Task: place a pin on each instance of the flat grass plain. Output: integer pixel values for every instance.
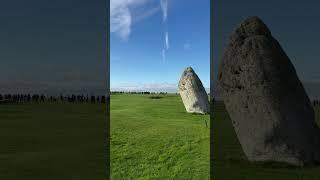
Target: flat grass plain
(52, 141)
(229, 161)
(154, 138)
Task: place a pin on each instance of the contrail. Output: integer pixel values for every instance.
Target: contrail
(167, 40)
(163, 54)
(164, 8)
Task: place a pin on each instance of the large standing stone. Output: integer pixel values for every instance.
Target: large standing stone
(192, 92)
(269, 108)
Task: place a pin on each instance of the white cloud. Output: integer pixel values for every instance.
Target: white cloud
(122, 16)
(145, 14)
(151, 87)
(166, 47)
(164, 8)
(167, 40)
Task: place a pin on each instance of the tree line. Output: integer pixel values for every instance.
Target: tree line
(41, 98)
(137, 92)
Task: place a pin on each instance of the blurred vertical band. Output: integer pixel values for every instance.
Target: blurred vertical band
(108, 89)
(211, 86)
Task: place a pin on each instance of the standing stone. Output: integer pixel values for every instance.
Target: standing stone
(192, 92)
(269, 108)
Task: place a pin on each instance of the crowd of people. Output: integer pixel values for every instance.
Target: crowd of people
(316, 102)
(23, 98)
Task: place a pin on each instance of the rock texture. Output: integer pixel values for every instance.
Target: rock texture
(192, 92)
(269, 108)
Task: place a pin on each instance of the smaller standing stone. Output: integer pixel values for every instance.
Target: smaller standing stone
(192, 92)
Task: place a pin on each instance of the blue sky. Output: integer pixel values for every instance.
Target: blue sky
(153, 41)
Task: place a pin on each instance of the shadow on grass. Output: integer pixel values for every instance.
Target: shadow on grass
(156, 97)
(199, 114)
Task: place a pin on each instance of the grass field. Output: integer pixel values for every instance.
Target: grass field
(230, 163)
(157, 139)
(52, 142)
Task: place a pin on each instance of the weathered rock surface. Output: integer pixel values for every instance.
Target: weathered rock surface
(269, 108)
(192, 92)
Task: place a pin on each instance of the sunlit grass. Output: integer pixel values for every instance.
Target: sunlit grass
(156, 138)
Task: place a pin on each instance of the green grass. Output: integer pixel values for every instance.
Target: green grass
(157, 139)
(230, 162)
(52, 141)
